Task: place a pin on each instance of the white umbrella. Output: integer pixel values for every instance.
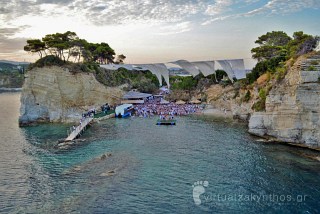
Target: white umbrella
(180, 102)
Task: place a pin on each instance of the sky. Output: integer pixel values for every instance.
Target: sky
(156, 31)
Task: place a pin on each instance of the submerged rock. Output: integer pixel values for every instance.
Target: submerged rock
(108, 173)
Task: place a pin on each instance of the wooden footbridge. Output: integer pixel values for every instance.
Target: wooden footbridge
(79, 129)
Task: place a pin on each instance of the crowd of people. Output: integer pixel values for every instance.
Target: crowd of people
(153, 107)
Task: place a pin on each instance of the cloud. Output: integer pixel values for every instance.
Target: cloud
(170, 12)
(122, 12)
(175, 28)
(114, 12)
(272, 7)
(284, 7)
(5, 32)
(218, 7)
(9, 44)
(12, 9)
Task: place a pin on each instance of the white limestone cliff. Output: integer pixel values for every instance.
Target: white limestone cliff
(53, 94)
(292, 108)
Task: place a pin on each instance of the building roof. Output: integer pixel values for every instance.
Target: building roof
(136, 95)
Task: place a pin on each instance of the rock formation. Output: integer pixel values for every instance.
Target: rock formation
(230, 98)
(292, 107)
(53, 94)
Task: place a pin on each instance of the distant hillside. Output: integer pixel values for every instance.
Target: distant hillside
(6, 66)
(11, 74)
(14, 62)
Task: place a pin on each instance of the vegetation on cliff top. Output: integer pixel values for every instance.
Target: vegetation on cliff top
(144, 81)
(69, 47)
(78, 55)
(274, 50)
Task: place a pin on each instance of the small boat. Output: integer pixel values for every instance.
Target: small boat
(166, 122)
(124, 110)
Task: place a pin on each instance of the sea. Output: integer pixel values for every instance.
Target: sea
(202, 165)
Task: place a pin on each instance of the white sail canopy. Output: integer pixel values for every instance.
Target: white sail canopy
(238, 68)
(109, 66)
(117, 66)
(227, 68)
(206, 67)
(126, 66)
(163, 70)
(187, 66)
(153, 69)
(158, 69)
(234, 68)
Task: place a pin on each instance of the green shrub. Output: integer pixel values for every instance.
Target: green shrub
(49, 60)
(184, 83)
(236, 94)
(262, 94)
(260, 105)
(220, 74)
(280, 73)
(204, 97)
(314, 62)
(247, 96)
(311, 68)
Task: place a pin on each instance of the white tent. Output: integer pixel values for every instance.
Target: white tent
(318, 47)
(234, 68)
(153, 69)
(163, 70)
(158, 69)
(238, 68)
(206, 67)
(187, 66)
(117, 66)
(227, 68)
(109, 66)
(180, 102)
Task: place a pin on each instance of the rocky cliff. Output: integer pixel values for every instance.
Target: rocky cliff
(292, 107)
(53, 94)
(231, 98)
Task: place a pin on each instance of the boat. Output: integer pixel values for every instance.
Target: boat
(166, 122)
(124, 110)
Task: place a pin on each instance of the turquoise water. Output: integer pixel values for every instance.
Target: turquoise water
(154, 168)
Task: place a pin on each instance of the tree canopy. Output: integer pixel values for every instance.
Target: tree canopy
(276, 47)
(277, 44)
(69, 47)
(35, 46)
(271, 44)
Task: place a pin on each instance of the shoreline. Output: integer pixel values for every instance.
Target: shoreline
(10, 90)
(211, 111)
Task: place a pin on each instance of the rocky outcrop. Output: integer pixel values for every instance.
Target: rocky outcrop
(53, 94)
(292, 108)
(230, 98)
